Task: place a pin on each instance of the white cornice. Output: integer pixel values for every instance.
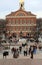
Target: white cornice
(18, 31)
(21, 25)
(19, 16)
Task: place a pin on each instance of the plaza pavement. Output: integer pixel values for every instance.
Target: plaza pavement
(20, 61)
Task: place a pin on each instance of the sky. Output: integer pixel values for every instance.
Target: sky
(8, 6)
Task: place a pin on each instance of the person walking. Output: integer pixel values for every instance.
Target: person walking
(25, 51)
(31, 52)
(20, 49)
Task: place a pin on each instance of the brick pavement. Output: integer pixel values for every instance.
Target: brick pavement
(21, 62)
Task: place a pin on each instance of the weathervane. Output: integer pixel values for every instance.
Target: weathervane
(21, 1)
(22, 4)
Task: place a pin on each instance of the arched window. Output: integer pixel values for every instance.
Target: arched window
(20, 14)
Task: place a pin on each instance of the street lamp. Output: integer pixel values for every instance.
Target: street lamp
(37, 35)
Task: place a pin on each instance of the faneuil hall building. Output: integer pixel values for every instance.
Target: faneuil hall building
(21, 22)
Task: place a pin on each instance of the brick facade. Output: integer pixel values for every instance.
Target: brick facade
(21, 21)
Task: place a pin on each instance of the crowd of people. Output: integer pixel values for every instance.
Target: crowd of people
(17, 51)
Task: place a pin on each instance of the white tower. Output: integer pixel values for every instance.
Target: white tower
(21, 4)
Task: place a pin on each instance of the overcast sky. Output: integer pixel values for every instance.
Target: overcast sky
(7, 6)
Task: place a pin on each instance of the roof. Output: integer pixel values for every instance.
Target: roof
(20, 12)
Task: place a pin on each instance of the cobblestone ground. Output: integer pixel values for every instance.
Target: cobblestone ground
(21, 62)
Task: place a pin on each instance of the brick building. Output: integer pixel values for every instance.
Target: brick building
(21, 21)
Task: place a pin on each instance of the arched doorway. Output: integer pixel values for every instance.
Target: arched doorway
(14, 35)
(21, 34)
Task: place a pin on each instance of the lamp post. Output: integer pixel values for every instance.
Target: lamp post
(37, 35)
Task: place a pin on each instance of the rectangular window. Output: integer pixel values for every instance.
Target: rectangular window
(20, 21)
(13, 21)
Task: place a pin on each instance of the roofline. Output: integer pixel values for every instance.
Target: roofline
(19, 16)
